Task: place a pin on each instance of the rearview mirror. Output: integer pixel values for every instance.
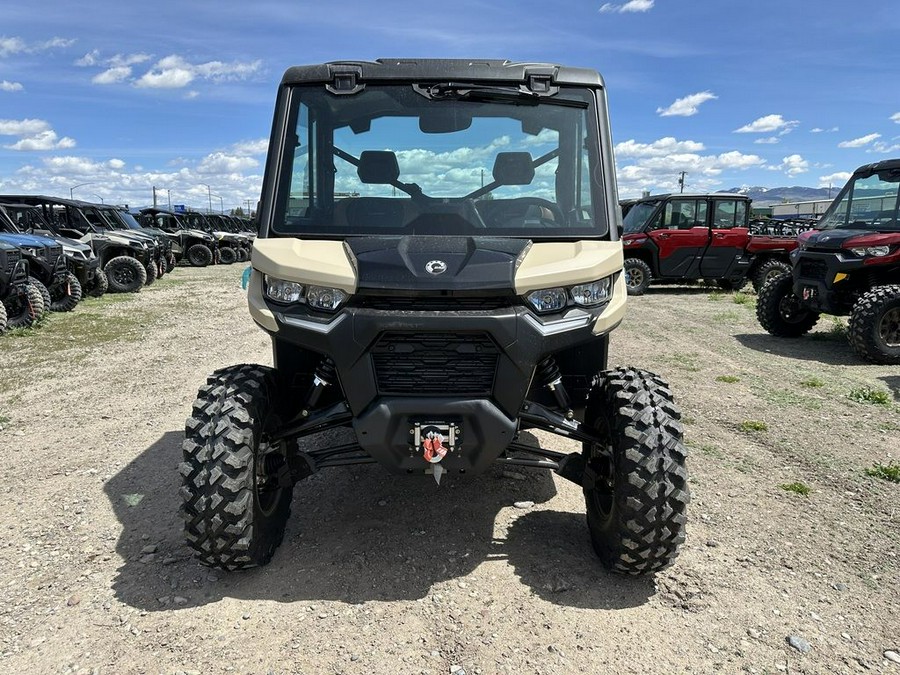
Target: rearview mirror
(444, 121)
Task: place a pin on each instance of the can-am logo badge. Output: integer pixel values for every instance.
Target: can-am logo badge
(435, 267)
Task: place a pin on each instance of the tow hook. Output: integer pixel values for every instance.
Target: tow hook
(434, 440)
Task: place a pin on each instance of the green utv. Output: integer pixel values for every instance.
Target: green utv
(439, 269)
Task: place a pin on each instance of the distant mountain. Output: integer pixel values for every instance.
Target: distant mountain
(763, 196)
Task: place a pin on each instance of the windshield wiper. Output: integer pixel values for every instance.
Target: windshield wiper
(481, 93)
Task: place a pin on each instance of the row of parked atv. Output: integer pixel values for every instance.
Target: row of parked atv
(54, 252)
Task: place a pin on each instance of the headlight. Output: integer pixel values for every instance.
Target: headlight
(138, 244)
(280, 290)
(321, 298)
(877, 251)
(548, 299)
(592, 294)
(329, 299)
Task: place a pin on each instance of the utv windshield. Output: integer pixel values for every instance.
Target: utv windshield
(444, 159)
(637, 217)
(866, 203)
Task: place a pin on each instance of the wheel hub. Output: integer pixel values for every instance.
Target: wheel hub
(889, 327)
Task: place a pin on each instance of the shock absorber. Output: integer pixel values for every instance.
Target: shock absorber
(549, 374)
(322, 378)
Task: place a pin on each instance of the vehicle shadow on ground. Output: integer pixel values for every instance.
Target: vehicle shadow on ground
(827, 349)
(683, 290)
(361, 534)
(893, 383)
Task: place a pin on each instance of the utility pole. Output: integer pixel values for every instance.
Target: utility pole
(681, 182)
(154, 196)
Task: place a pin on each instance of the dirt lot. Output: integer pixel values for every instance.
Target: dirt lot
(386, 575)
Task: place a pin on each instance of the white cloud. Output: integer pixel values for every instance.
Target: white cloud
(260, 146)
(116, 164)
(92, 58)
(112, 75)
(793, 165)
(220, 162)
(630, 6)
(835, 179)
(767, 124)
(16, 45)
(658, 165)
(896, 117)
(33, 135)
(6, 85)
(661, 147)
(129, 59)
(768, 140)
(884, 148)
(859, 142)
(687, 106)
(174, 72)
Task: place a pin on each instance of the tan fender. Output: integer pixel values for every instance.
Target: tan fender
(316, 262)
(553, 264)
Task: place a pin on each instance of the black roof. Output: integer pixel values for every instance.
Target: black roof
(875, 167)
(686, 195)
(467, 70)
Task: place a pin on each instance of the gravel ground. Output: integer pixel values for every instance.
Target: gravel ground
(379, 574)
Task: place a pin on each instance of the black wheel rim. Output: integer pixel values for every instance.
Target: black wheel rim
(269, 461)
(790, 309)
(603, 467)
(889, 327)
(123, 275)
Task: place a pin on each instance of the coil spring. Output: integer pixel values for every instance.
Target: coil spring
(548, 371)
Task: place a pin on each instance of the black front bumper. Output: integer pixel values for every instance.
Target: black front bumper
(814, 274)
(474, 369)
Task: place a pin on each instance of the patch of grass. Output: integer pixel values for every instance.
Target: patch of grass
(836, 331)
(688, 361)
(797, 488)
(743, 299)
(4, 420)
(869, 395)
(889, 471)
(748, 426)
(726, 317)
(789, 399)
(812, 383)
(687, 419)
(730, 379)
(711, 451)
(715, 296)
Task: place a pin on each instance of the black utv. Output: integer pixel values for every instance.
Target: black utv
(124, 258)
(20, 302)
(82, 264)
(195, 246)
(848, 265)
(118, 218)
(435, 315)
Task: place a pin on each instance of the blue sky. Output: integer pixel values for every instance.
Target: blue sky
(122, 97)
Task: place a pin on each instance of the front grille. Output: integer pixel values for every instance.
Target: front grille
(435, 364)
(12, 257)
(433, 303)
(813, 269)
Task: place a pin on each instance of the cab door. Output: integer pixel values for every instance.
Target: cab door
(730, 234)
(681, 235)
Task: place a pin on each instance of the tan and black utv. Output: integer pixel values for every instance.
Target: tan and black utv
(438, 266)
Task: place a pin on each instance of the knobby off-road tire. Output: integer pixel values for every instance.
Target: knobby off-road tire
(99, 284)
(637, 276)
(199, 255)
(125, 274)
(2, 317)
(161, 268)
(151, 270)
(769, 270)
(227, 255)
(636, 507)
(781, 312)
(874, 327)
(171, 262)
(242, 255)
(45, 294)
(234, 512)
(65, 294)
(25, 308)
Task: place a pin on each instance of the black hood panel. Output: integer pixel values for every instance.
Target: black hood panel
(386, 264)
(833, 239)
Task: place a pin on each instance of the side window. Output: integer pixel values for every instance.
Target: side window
(302, 194)
(682, 214)
(726, 214)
